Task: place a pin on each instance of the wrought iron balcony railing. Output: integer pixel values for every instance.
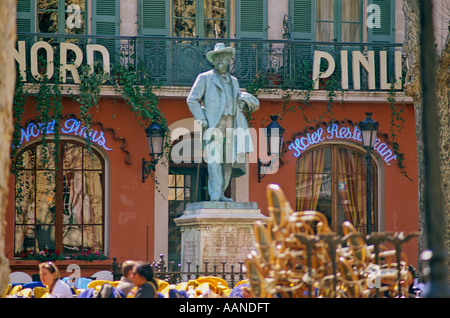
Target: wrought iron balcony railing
(177, 61)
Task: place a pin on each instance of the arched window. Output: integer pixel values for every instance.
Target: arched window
(60, 200)
(332, 179)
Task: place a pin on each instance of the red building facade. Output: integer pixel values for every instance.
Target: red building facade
(93, 198)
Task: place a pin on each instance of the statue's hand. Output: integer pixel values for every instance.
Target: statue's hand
(241, 105)
(250, 102)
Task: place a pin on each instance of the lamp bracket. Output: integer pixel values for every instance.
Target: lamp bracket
(261, 164)
(268, 164)
(148, 167)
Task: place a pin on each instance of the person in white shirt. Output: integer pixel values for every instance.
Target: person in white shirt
(50, 277)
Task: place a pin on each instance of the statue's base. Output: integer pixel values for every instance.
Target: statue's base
(217, 232)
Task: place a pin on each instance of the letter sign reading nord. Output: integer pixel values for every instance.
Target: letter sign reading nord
(20, 56)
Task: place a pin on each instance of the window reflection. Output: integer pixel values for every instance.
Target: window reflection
(214, 15)
(351, 20)
(91, 161)
(325, 20)
(48, 22)
(72, 197)
(332, 180)
(72, 239)
(184, 13)
(71, 191)
(72, 156)
(92, 237)
(45, 156)
(45, 237)
(45, 197)
(338, 20)
(93, 197)
(61, 16)
(204, 18)
(25, 197)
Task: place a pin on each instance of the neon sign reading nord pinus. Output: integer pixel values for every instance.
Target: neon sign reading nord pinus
(69, 126)
(333, 132)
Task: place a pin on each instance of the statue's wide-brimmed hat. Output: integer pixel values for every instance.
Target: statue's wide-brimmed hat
(220, 48)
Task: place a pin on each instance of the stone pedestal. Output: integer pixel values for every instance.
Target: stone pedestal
(216, 232)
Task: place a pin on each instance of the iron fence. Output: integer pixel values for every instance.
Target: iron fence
(173, 273)
(176, 61)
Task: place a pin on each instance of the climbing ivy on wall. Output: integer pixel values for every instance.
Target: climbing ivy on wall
(18, 112)
(89, 96)
(135, 86)
(302, 87)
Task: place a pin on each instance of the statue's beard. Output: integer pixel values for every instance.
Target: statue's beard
(222, 67)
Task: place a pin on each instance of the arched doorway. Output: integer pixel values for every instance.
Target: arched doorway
(331, 178)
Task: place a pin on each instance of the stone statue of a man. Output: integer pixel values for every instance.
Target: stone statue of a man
(216, 101)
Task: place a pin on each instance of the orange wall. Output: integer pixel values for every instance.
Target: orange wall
(131, 201)
(400, 195)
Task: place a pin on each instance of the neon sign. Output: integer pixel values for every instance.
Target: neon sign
(333, 132)
(70, 126)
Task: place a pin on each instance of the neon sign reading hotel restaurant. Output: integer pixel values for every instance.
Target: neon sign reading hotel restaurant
(336, 132)
(70, 126)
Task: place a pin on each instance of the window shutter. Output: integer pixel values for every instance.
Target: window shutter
(25, 16)
(251, 19)
(154, 17)
(106, 21)
(106, 17)
(251, 23)
(302, 16)
(384, 34)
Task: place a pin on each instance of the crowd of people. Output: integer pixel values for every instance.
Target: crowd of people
(137, 281)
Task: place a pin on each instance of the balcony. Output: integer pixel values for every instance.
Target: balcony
(171, 61)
